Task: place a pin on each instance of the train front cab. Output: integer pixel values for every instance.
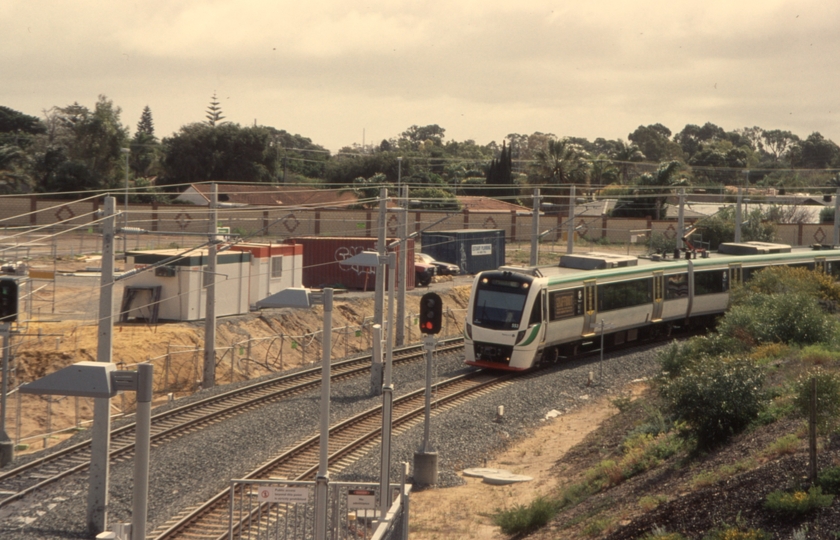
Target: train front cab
(504, 326)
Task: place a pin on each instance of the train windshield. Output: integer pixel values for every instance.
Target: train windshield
(499, 302)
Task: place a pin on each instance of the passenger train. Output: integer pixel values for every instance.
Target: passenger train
(519, 317)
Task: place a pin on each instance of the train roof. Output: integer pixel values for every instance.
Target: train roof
(593, 264)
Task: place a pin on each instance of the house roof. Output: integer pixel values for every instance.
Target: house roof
(488, 204)
(257, 195)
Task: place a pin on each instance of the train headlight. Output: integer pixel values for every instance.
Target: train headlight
(520, 336)
(469, 330)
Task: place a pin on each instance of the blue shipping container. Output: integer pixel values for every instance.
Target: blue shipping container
(473, 250)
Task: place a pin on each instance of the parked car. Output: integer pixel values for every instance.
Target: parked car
(442, 268)
(423, 272)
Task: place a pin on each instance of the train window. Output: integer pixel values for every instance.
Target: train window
(711, 282)
(499, 307)
(536, 311)
(565, 304)
(625, 294)
(676, 286)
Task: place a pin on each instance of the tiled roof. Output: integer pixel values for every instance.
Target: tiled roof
(256, 195)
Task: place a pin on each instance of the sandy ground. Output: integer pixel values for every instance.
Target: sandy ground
(464, 512)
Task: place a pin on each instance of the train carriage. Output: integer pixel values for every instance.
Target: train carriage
(519, 317)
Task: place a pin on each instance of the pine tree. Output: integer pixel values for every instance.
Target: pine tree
(214, 112)
(145, 125)
(499, 175)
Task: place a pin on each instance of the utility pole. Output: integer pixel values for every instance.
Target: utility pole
(738, 217)
(570, 241)
(379, 296)
(681, 220)
(209, 278)
(403, 265)
(100, 444)
(837, 218)
(535, 230)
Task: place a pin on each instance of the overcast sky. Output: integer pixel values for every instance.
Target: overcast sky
(337, 71)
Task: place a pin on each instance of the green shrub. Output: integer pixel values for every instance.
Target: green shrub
(798, 502)
(679, 357)
(788, 318)
(737, 533)
(828, 397)
(523, 519)
(819, 355)
(829, 480)
(716, 398)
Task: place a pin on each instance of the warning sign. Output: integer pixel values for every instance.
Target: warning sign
(283, 494)
(361, 499)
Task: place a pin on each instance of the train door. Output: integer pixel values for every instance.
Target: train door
(735, 274)
(658, 295)
(821, 265)
(590, 299)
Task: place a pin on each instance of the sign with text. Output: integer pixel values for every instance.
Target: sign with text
(283, 494)
(361, 499)
(482, 249)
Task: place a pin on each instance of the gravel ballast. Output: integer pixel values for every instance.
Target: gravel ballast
(195, 467)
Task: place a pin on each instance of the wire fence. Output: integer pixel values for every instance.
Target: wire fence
(178, 373)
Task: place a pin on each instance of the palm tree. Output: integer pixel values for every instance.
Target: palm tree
(12, 179)
(648, 194)
(560, 163)
(624, 155)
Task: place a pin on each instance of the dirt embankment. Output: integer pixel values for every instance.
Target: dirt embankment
(247, 346)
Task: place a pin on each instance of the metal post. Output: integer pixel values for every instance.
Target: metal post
(379, 296)
(387, 399)
(738, 217)
(812, 433)
(209, 377)
(376, 364)
(425, 459)
(322, 480)
(142, 444)
(535, 230)
(97, 501)
(681, 220)
(403, 268)
(7, 448)
(126, 152)
(837, 218)
(570, 241)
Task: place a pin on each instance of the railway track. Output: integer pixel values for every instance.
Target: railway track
(19, 482)
(349, 440)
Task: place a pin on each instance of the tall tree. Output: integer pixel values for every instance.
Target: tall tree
(648, 197)
(145, 148)
(777, 143)
(624, 155)
(214, 112)
(499, 178)
(227, 152)
(817, 152)
(82, 148)
(655, 143)
(559, 165)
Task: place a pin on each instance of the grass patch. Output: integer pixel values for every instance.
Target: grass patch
(524, 519)
(782, 446)
(651, 502)
(798, 502)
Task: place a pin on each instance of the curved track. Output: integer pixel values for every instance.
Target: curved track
(349, 440)
(171, 424)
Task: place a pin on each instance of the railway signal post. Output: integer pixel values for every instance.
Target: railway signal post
(425, 460)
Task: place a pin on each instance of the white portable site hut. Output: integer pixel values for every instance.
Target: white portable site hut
(176, 290)
(274, 267)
